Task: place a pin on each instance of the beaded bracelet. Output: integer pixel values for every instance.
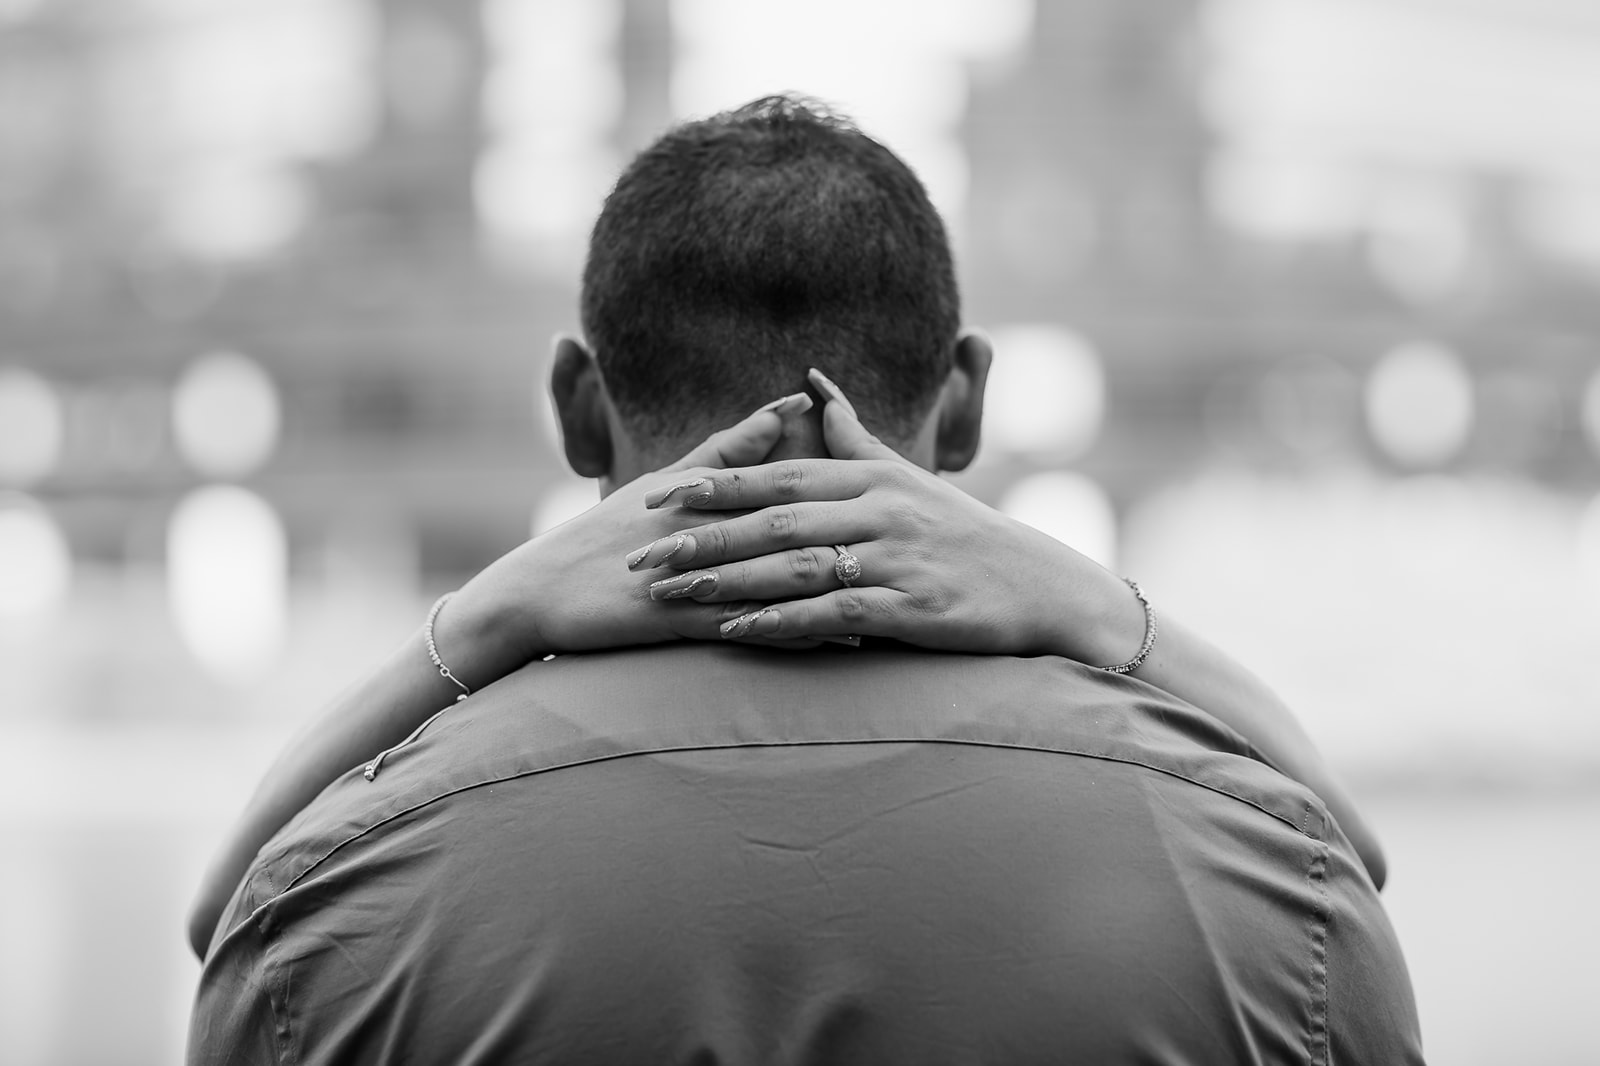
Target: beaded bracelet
(433, 651)
(1149, 634)
(370, 771)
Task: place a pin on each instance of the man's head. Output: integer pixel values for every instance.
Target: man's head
(740, 250)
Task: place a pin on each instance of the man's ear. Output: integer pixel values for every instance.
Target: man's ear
(961, 402)
(578, 392)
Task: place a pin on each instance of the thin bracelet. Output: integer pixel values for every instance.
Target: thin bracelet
(370, 771)
(433, 651)
(1149, 634)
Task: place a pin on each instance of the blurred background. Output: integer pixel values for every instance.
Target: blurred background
(1297, 306)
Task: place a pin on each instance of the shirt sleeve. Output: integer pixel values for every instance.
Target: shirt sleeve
(234, 1019)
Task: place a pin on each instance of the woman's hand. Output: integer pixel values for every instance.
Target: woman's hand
(939, 569)
(566, 591)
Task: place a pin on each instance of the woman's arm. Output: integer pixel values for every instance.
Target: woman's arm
(563, 591)
(942, 570)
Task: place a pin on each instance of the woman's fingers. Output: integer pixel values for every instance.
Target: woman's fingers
(846, 437)
(696, 621)
(809, 571)
(866, 612)
(786, 482)
(750, 536)
(747, 442)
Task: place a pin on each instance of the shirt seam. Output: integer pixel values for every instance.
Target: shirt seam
(1317, 1042)
(666, 749)
(276, 979)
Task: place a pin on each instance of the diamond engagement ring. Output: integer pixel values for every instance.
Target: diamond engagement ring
(847, 568)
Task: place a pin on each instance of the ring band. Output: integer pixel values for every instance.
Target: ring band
(847, 568)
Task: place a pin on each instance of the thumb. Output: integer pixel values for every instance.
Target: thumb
(746, 443)
(846, 437)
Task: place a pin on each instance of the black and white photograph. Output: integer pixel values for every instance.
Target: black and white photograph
(752, 532)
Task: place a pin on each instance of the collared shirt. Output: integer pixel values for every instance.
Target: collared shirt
(721, 854)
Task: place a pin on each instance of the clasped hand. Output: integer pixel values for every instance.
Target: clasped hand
(752, 551)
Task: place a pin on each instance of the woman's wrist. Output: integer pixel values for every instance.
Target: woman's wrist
(1095, 617)
(488, 629)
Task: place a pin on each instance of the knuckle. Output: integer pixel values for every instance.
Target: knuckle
(898, 476)
(788, 481)
(735, 485)
(854, 606)
(930, 601)
(805, 564)
(711, 542)
(905, 513)
(780, 522)
(733, 579)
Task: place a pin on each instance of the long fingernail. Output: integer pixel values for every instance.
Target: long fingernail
(679, 541)
(637, 559)
(746, 623)
(796, 404)
(656, 497)
(825, 385)
(678, 586)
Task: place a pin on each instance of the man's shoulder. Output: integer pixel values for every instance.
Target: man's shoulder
(578, 710)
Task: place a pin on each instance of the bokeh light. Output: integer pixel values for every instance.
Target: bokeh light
(242, 93)
(1070, 507)
(35, 561)
(549, 98)
(1047, 392)
(227, 580)
(30, 427)
(225, 415)
(1420, 404)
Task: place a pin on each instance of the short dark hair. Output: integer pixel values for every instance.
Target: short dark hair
(738, 250)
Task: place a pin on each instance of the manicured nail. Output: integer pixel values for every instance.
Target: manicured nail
(656, 497)
(678, 586)
(849, 642)
(834, 394)
(678, 542)
(797, 404)
(746, 624)
(638, 558)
